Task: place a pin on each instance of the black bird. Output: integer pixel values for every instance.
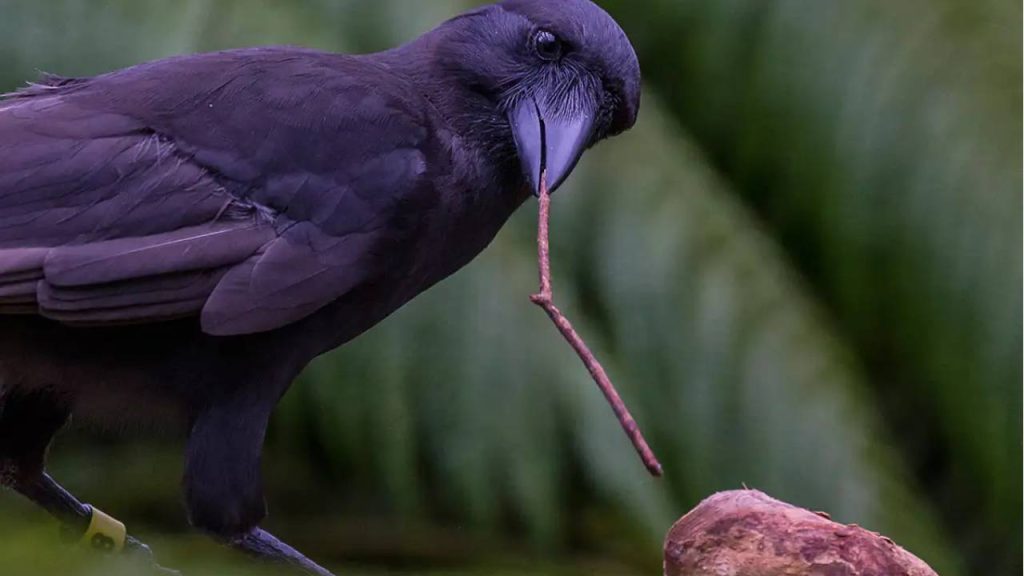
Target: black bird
(179, 239)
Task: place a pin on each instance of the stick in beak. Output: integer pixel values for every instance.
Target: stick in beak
(545, 300)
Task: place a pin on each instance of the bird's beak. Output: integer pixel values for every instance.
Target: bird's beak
(549, 139)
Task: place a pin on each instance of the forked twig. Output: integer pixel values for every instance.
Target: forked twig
(545, 300)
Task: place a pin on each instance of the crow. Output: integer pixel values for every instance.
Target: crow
(180, 238)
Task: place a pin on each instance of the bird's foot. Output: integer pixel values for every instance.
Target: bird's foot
(141, 553)
(262, 545)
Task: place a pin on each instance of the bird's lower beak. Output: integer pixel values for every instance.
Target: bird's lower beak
(549, 140)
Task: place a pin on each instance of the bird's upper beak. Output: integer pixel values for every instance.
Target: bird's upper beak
(549, 139)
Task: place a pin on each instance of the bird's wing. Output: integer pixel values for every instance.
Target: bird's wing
(243, 188)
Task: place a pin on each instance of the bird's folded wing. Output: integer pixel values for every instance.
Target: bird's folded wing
(143, 279)
(128, 280)
(242, 271)
(103, 224)
(240, 277)
(121, 203)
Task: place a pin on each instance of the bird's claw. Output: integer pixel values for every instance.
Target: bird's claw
(136, 549)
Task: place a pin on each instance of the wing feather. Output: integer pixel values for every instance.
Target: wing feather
(132, 298)
(293, 277)
(128, 315)
(195, 248)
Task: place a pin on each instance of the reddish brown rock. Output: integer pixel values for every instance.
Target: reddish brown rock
(748, 533)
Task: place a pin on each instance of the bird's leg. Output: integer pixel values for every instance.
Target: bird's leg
(76, 517)
(223, 485)
(27, 425)
(261, 544)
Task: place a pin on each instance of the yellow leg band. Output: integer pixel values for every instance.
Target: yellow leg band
(105, 534)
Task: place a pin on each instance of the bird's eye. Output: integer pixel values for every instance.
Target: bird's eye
(547, 45)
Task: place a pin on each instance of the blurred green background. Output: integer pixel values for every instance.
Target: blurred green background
(802, 268)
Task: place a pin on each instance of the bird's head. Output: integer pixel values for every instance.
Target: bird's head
(562, 73)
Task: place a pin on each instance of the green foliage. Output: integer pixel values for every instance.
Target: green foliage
(802, 269)
(880, 142)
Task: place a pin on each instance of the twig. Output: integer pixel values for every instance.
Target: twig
(545, 300)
